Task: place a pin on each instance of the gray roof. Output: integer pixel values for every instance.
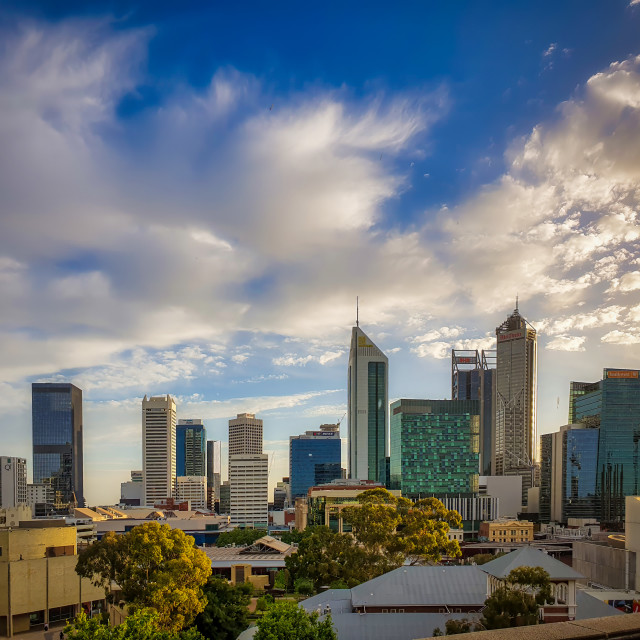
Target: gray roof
(530, 557)
(590, 607)
(338, 599)
(392, 626)
(452, 586)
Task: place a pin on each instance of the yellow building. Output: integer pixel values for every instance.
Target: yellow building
(38, 581)
(507, 531)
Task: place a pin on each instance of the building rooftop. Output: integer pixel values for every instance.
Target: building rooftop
(530, 557)
(424, 585)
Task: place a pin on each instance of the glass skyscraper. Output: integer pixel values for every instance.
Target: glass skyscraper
(314, 459)
(368, 385)
(57, 441)
(191, 438)
(435, 447)
(579, 473)
(472, 378)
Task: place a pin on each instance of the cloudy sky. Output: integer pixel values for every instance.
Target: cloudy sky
(192, 199)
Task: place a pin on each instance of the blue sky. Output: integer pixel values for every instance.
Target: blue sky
(193, 198)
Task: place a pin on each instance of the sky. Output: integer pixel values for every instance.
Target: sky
(193, 195)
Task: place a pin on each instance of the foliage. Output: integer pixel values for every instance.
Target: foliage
(155, 567)
(326, 557)
(303, 586)
(483, 558)
(295, 536)
(281, 579)
(288, 621)
(454, 627)
(240, 537)
(142, 625)
(517, 602)
(401, 529)
(226, 614)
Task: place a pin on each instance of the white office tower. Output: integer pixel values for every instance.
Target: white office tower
(249, 479)
(193, 489)
(245, 435)
(214, 473)
(158, 448)
(368, 408)
(13, 482)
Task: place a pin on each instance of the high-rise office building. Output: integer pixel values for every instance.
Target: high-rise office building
(225, 497)
(368, 403)
(13, 482)
(245, 434)
(158, 448)
(193, 489)
(612, 405)
(191, 437)
(57, 441)
(314, 458)
(248, 471)
(568, 470)
(472, 378)
(435, 447)
(214, 473)
(249, 493)
(516, 386)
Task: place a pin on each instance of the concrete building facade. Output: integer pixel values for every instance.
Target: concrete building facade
(194, 489)
(13, 481)
(249, 492)
(158, 448)
(514, 451)
(367, 409)
(214, 473)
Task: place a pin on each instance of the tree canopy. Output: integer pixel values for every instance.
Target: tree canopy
(155, 567)
(288, 621)
(398, 527)
(517, 602)
(240, 537)
(226, 614)
(142, 625)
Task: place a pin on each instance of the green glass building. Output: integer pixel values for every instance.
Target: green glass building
(435, 447)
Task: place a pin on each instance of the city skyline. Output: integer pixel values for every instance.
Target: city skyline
(194, 215)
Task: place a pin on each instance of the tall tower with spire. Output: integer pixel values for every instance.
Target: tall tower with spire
(368, 408)
(516, 386)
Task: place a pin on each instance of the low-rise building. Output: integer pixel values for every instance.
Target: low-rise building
(507, 531)
(38, 581)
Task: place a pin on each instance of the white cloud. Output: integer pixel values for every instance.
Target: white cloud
(621, 337)
(293, 360)
(567, 343)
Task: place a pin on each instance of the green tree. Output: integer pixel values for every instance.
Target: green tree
(326, 557)
(226, 614)
(155, 567)
(240, 537)
(142, 625)
(454, 627)
(288, 621)
(517, 602)
(303, 586)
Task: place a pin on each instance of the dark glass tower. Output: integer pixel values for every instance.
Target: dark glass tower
(191, 438)
(57, 441)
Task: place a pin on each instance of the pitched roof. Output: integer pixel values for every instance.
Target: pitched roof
(590, 607)
(530, 557)
(465, 585)
(338, 599)
(267, 544)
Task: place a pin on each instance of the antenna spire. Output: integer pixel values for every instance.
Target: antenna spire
(357, 312)
(516, 301)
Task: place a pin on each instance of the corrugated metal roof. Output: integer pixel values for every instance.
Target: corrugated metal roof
(338, 599)
(450, 586)
(590, 607)
(530, 557)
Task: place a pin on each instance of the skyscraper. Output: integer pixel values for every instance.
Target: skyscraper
(472, 378)
(368, 403)
(516, 385)
(158, 448)
(214, 473)
(191, 437)
(57, 441)
(248, 472)
(314, 458)
(434, 447)
(13, 482)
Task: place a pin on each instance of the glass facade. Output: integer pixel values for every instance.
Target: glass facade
(579, 473)
(435, 447)
(191, 439)
(546, 478)
(57, 441)
(377, 372)
(313, 461)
